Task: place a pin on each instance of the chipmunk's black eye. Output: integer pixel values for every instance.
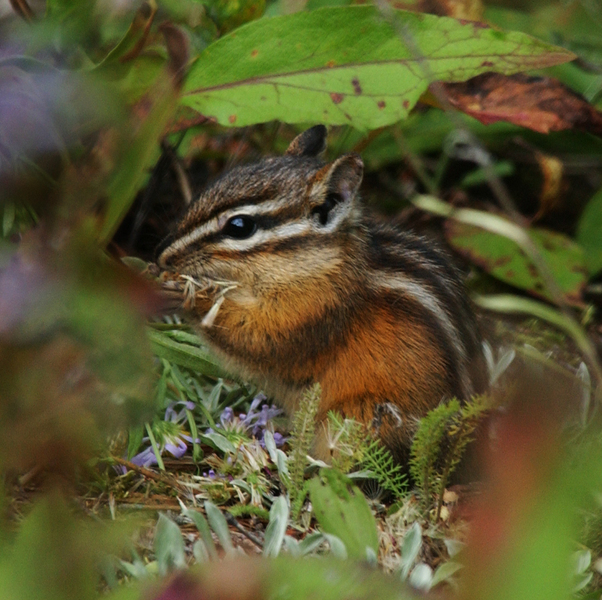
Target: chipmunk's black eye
(240, 227)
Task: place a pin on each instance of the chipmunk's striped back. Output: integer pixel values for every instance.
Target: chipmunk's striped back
(303, 286)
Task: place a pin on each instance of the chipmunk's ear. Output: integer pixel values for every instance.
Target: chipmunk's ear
(334, 190)
(309, 143)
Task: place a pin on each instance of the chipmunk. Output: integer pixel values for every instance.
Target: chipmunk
(291, 281)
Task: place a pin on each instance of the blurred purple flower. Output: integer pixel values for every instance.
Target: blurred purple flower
(226, 416)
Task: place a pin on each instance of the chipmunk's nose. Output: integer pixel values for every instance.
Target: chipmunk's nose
(164, 259)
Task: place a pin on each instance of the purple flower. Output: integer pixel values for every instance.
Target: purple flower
(226, 416)
(171, 437)
(181, 416)
(146, 458)
(254, 422)
(177, 447)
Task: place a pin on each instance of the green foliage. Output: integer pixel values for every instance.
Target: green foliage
(206, 540)
(274, 533)
(588, 233)
(417, 573)
(384, 469)
(330, 579)
(368, 81)
(184, 349)
(302, 436)
(169, 546)
(428, 444)
(501, 257)
(577, 29)
(439, 445)
(54, 556)
(342, 510)
(218, 523)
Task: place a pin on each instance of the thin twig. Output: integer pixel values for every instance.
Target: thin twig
(231, 519)
(149, 474)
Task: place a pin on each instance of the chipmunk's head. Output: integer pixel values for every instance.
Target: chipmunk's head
(272, 223)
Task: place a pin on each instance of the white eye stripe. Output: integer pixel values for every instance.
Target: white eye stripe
(263, 236)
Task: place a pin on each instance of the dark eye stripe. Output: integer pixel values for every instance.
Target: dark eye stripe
(226, 205)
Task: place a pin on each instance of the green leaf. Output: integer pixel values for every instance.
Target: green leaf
(325, 578)
(169, 545)
(140, 152)
(445, 571)
(203, 527)
(184, 355)
(274, 533)
(589, 233)
(219, 441)
(348, 65)
(575, 29)
(135, 435)
(412, 542)
(502, 258)
(220, 526)
(421, 577)
(8, 218)
(310, 543)
(337, 546)
(342, 510)
(133, 41)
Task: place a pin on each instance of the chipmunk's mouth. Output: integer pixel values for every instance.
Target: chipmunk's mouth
(187, 292)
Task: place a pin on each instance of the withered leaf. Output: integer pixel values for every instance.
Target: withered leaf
(542, 104)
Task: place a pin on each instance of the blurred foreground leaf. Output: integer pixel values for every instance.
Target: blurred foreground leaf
(285, 578)
(169, 546)
(521, 542)
(55, 556)
(76, 363)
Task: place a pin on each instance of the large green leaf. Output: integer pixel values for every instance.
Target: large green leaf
(589, 233)
(342, 510)
(502, 258)
(169, 545)
(348, 65)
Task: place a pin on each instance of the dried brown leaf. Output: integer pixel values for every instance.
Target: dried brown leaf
(542, 104)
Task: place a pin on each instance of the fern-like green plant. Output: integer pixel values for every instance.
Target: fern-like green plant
(302, 437)
(439, 444)
(426, 449)
(386, 471)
